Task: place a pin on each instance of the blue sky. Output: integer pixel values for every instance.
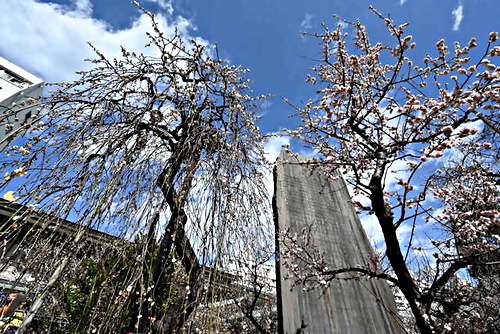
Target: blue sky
(48, 37)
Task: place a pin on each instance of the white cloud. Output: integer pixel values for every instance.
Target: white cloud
(306, 22)
(373, 231)
(401, 2)
(458, 13)
(272, 148)
(398, 170)
(51, 40)
(309, 152)
(369, 222)
(404, 233)
(84, 7)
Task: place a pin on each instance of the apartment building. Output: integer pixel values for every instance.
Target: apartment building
(16, 87)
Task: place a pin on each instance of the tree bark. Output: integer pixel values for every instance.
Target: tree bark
(174, 238)
(393, 249)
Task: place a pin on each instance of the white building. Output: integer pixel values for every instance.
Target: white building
(16, 86)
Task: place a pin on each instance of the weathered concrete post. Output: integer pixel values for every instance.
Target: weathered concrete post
(303, 195)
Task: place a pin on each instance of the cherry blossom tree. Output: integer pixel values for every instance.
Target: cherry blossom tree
(411, 141)
(158, 150)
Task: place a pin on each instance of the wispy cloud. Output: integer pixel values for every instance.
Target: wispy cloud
(343, 25)
(306, 22)
(401, 2)
(265, 105)
(163, 4)
(84, 7)
(458, 13)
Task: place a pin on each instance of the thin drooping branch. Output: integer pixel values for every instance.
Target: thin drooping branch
(160, 151)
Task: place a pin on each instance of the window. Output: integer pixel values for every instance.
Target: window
(12, 78)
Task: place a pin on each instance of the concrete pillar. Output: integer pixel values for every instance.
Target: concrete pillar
(304, 195)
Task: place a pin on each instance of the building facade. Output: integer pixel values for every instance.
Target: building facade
(16, 87)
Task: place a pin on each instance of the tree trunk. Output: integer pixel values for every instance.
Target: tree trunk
(394, 254)
(175, 238)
